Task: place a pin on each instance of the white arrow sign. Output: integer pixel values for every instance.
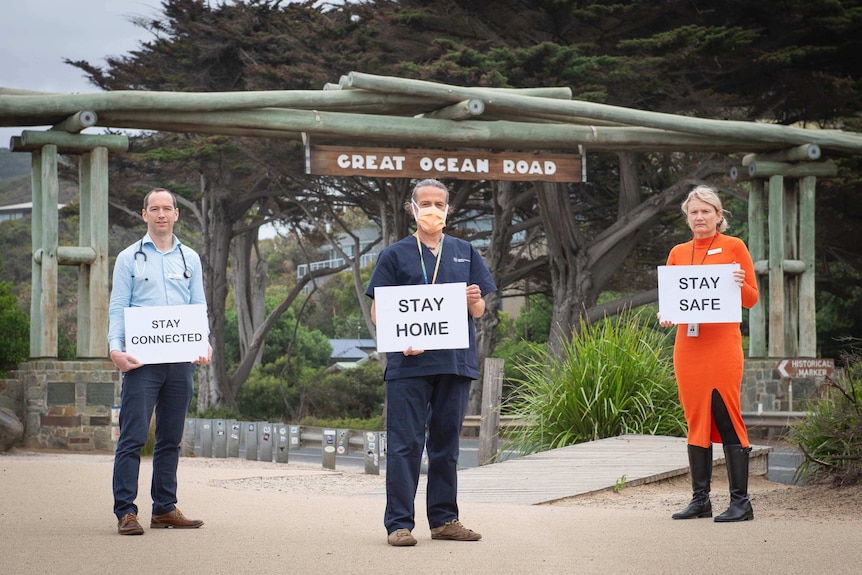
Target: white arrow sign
(806, 367)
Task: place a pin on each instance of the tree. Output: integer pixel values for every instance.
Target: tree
(14, 330)
(199, 48)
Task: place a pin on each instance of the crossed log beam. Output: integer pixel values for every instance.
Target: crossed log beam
(370, 108)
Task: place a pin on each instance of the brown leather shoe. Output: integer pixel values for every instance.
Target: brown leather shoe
(129, 525)
(175, 519)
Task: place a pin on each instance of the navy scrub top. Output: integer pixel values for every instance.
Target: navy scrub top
(399, 265)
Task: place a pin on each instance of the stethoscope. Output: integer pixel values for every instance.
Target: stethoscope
(138, 272)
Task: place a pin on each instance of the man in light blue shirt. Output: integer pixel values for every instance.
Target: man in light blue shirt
(155, 271)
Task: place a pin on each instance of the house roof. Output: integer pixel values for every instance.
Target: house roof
(351, 349)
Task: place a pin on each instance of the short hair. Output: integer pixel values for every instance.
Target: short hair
(153, 191)
(709, 196)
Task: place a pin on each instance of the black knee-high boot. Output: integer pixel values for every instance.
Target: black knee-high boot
(740, 509)
(700, 468)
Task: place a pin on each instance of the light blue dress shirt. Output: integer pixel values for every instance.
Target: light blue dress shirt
(145, 276)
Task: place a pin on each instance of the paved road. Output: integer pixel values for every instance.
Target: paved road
(469, 455)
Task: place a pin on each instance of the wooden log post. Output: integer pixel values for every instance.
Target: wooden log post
(791, 281)
(792, 325)
(458, 111)
(803, 153)
(93, 296)
(36, 241)
(77, 122)
(46, 338)
(807, 307)
(763, 169)
(91, 256)
(757, 246)
(489, 425)
(71, 143)
(776, 266)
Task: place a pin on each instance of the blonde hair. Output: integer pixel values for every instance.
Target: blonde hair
(709, 196)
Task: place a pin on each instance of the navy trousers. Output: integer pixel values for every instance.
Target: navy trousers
(439, 403)
(168, 389)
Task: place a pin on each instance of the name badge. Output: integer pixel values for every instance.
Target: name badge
(713, 251)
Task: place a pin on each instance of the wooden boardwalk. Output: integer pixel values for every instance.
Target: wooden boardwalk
(586, 468)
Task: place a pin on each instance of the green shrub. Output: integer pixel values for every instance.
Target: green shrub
(14, 331)
(268, 397)
(371, 424)
(612, 377)
(218, 413)
(355, 393)
(830, 435)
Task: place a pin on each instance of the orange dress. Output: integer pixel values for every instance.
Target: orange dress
(712, 360)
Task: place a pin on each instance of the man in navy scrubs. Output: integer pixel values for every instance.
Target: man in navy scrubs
(428, 387)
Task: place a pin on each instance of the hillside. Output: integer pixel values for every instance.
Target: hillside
(15, 180)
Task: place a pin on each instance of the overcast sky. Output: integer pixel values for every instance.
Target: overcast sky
(37, 35)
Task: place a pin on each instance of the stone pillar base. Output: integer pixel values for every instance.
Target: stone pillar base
(67, 404)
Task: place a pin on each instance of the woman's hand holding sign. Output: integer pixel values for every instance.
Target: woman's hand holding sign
(739, 276)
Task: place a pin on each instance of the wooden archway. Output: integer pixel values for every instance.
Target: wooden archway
(782, 165)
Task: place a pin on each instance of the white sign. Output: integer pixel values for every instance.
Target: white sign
(699, 294)
(167, 334)
(422, 317)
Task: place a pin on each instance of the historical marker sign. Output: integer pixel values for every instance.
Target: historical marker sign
(806, 367)
(452, 164)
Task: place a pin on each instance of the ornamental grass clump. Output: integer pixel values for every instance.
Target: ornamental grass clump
(612, 377)
(830, 435)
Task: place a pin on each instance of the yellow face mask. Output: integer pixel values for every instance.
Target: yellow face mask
(431, 218)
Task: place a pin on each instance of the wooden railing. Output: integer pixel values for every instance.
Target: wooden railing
(473, 421)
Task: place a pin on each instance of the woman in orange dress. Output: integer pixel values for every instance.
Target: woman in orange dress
(708, 363)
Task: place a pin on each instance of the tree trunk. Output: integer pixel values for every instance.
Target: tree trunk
(214, 385)
(249, 288)
(580, 266)
(571, 281)
(496, 257)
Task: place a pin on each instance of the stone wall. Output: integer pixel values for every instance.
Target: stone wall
(68, 404)
(12, 394)
(763, 388)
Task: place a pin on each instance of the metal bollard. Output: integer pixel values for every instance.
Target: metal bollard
(264, 442)
(281, 443)
(205, 433)
(188, 445)
(342, 442)
(233, 438)
(328, 449)
(250, 436)
(372, 453)
(295, 437)
(219, 438)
